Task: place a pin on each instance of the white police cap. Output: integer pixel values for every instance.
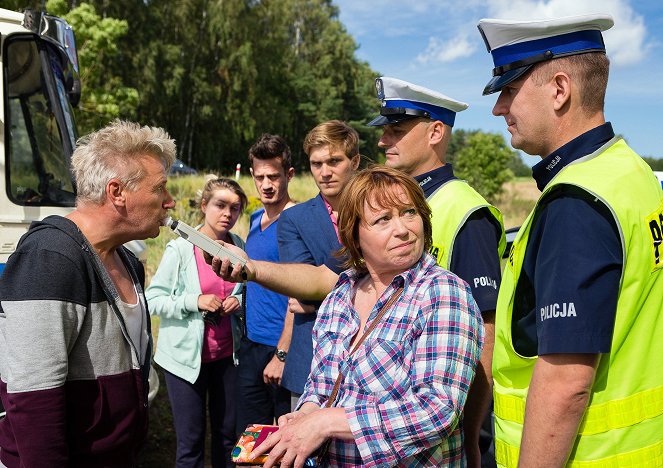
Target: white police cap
(402, 100)
(517, 45)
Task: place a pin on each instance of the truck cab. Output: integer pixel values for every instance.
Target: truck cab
(40, 85)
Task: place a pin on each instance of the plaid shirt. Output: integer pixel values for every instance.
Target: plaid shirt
(405, 388)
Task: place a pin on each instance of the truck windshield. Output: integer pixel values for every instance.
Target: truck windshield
(40, 131)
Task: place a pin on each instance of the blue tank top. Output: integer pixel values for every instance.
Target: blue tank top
(265, 310)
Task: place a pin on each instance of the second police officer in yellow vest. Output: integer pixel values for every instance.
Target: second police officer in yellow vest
(468, 233)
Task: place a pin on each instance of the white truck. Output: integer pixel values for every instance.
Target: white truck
(39, 86)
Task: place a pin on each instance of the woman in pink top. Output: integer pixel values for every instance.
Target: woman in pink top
(199, 329)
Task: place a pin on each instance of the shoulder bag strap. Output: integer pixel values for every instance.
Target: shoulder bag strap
(394, 297)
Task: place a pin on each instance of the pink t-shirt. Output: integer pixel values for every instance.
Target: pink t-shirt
(217, 339)
(332, 216)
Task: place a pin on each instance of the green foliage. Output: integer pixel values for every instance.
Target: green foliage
(656, 164)
(217, 74)
(518, 167)
(105, 95)
(253, 205)
(482, 159)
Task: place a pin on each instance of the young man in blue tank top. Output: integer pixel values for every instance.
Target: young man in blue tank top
(260, 397)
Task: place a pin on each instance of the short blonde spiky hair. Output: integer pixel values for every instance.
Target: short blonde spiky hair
(114, 152)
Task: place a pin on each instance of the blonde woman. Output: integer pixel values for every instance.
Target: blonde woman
(199, 331)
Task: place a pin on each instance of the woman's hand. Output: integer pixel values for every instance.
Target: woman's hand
(230, 305)
(306, 408)
(209, 303)
(299, 435)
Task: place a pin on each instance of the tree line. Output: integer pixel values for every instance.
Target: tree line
(218, 73)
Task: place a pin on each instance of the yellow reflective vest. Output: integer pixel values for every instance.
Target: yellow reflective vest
(452, 204)
(623, 423)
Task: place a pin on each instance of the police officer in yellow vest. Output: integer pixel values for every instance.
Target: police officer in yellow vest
(468, 234)
(578, 358)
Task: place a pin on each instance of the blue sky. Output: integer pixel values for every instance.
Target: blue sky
(435, 43)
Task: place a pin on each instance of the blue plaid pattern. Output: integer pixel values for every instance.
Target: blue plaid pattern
(405, 388)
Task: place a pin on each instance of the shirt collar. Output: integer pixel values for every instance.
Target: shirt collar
(585, 144)
(332, 216)
(432, 180)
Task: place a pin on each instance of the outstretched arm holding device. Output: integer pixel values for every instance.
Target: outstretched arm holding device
(302, 281)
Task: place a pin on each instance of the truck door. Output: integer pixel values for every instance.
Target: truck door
(39, 134)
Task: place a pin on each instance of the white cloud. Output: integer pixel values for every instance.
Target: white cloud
(625, 41)
(442, 52)
(430, 22)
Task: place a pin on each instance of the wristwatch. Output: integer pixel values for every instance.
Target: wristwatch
(280, 355)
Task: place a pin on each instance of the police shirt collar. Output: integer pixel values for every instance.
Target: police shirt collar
(432, 180)
(546, 169)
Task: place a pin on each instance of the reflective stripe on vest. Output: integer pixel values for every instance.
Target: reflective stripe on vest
(650, 456)
(623, 424)
(452, 204)
(600, 418)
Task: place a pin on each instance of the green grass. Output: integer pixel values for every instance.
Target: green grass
(517, 200)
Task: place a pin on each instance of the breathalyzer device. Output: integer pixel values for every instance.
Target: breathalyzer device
(200, 240)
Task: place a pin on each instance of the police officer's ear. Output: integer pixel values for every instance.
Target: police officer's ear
(562, 87)
(436, 132)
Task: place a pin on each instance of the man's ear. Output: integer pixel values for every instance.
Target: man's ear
(290, 174)
(562, 88)
(436, 132)
(354, 161)
(115, 192)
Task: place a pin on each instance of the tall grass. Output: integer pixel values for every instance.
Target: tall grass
(517, 200)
